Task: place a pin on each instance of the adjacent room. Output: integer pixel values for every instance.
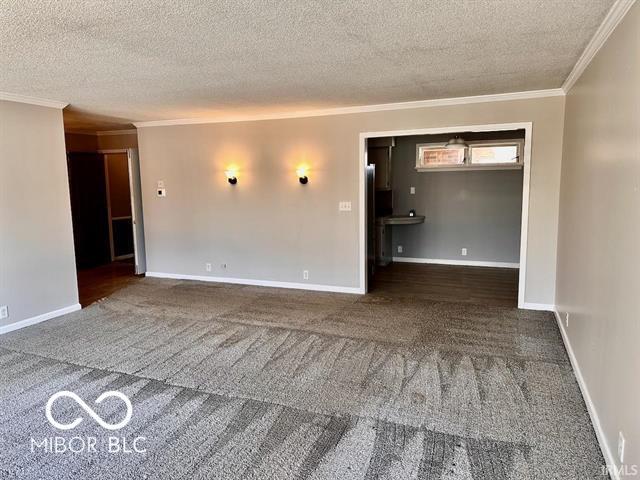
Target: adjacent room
(446, 214)
(106, 209)
(320, 240)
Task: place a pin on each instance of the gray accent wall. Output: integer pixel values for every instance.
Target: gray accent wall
(477, 210)
(37, 264)
(269, 227)
(598, 281)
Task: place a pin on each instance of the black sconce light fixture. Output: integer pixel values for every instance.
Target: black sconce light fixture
(302, 175)
(231, 176)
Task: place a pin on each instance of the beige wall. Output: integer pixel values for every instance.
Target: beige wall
(269, 227)
(599, 238)
(37, 265)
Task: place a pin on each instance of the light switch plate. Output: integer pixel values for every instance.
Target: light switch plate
(162, 192)
(412, 190)
(344, 206)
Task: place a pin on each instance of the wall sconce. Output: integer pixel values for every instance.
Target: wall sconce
(302, 175)
(231, 176)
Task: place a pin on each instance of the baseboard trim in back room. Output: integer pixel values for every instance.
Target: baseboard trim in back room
(259, 283)
(39, 318)
(591, 408)
(466, 263)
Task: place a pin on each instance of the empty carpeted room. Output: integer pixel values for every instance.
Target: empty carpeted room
(320, 240)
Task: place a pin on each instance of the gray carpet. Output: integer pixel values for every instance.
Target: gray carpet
(238, 382)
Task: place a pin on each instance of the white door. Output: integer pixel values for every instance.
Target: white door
(136, 211)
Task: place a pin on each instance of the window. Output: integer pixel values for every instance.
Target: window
(478, 155)
(503, 153)
(431, 156)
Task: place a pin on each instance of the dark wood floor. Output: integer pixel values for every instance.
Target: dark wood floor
(491, 286)
(99, 282)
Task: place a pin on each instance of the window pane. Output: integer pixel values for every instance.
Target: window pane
(497, 154)
(433, 157)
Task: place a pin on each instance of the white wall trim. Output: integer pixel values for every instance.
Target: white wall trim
(438, 102)
(39, 318)
(608, 25)
(468, 263)
(79, 132)
(104, 133)
(591, 408)
(524, 225)
(544, 307)
(492, 127)
(258, 283)
(113, 150)
(108, 133)
(42, 102)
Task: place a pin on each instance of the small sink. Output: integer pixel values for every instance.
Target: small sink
(403, 220)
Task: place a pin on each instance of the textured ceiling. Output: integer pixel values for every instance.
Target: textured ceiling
(161, 59)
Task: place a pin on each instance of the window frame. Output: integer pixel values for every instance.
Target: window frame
(467, 165)
(435, 146)
(518, 142)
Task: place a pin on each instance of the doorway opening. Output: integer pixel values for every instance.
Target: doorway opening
(445, 213)
(106, 212)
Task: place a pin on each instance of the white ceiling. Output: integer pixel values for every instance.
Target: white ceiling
(166, 59)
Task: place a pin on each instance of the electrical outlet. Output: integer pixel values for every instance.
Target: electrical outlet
(223, 266)
(463, 252)
(4, 311)
(207, 267)
(305, 274)
(621, 442)
(412, 190)
(566, 320)
(344, 206)
(399, 248)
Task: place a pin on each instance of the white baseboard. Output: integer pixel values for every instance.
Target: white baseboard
(539, 306)
(469, 263)
(259, 283)
(591, 408)
(39, 318)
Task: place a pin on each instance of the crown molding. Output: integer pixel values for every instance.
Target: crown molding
(107, 133)
(42, 102)
(438, 102)
(104, 133)
(80, 132)
(608, 25)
